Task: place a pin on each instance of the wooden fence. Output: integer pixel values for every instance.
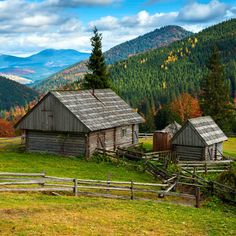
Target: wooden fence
(205, 166)
(40, 182)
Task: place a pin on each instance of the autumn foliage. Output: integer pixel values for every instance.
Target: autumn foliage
(6, 128)
(186, 107)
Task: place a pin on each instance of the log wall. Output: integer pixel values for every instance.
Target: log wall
(55, 142)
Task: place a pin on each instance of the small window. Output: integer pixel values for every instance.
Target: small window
(123, 132)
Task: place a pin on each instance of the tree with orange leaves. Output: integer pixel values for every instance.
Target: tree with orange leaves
(186, 107)
(6, 128)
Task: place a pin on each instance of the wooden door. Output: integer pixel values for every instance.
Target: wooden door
(101, 140)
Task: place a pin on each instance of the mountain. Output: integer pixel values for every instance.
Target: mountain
(40, 65)
(152, 40)
(13, 94)
(16, 78)
(157, 76)
(155, 39)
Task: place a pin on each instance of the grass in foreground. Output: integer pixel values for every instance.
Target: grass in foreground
(38, 214)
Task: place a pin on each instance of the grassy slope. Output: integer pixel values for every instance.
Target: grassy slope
(63, 166)
(40, 214)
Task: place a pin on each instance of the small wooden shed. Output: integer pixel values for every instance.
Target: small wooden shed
(161, 138)
(199, 139)
(78, 122)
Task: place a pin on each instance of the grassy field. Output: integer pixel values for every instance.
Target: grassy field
(229, 147)
(41, 214)
(37, 214)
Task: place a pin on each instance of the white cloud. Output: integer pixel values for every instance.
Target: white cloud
(76, 3)
(30, 26)
(197, 12)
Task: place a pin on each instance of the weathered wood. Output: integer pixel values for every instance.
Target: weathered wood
(35, 189)
(22, 182)
(75, 189)
(47, 177)
(171, 187)
(132, 192)
(22, 174)
(197, 197)
(170, 179)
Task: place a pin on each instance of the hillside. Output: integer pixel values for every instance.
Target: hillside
(155, 77)
(152, 40)
(40, 65)
(155, 39)
(13, 94)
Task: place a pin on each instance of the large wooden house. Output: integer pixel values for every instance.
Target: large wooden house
(78, 122)
(199, 139)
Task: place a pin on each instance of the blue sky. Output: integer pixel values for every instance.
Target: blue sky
(28, 26)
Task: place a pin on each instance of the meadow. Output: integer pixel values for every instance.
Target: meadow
(42, 214)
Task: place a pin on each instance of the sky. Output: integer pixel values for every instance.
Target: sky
(29, 26)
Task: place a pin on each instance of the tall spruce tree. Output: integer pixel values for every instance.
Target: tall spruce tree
(215, 98)
(97, 77)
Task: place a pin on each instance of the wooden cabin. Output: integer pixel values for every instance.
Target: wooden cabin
(162, 138)
(199, 139)
(77, 122)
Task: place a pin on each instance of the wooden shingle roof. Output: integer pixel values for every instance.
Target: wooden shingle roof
(209, 131)
(205, 128)
(98, 109)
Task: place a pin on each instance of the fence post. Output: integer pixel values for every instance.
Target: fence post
(108, 181)
(205, 168)
(176, 183)
(75, 189)
(132, 190)
(197, 197)
(43, 175)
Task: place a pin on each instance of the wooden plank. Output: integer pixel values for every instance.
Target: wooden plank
(21, 174)
(35, 189)
(22, 182)
(171, 187)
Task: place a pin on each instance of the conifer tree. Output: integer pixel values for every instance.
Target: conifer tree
(215, 99)
(97, 77)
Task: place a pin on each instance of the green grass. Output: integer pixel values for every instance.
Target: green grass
(147, 143)
(42, 214)
(38, 214)
(64, 166)
(229, 147)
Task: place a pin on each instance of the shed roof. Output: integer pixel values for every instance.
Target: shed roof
(207, 130)
(98, 109)
(171, 128)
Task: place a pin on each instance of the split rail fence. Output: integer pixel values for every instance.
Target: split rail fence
(40, 182)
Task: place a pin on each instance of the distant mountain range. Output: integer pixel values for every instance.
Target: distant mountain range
(40, 65)
(13, 94)
(155, 39)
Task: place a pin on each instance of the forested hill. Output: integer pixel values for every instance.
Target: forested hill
(157, 76)
(155, 39)
(13, 94)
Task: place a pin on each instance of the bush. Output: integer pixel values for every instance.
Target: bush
(6, 129)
